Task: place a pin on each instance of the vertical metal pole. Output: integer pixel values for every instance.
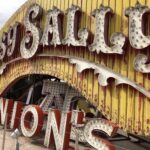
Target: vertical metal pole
(4, 133)
(77, 142)
(17, 144)
(29, 95)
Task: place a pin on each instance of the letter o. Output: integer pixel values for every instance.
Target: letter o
(29, 128)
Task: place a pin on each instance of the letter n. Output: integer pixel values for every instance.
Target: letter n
(58, 129)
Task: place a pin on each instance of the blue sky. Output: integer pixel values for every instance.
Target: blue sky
(7, 8)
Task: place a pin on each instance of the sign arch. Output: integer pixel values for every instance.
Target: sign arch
(113, 101)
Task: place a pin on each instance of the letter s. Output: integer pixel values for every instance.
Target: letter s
(30, 42)
(104, 126)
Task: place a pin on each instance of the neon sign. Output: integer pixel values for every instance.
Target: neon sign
(53, 34)
(30, 119)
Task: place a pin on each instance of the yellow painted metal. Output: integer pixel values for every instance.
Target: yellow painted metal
(121, 104)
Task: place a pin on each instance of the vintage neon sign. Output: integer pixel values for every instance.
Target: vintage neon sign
(31, 117)
(33, 40)
(53, 34)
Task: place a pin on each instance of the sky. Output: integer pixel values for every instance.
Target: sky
(7, 9)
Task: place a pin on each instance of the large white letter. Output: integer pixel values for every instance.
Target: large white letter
(100, 42)
(30, 42)
(137, 39)
(104, 126)
(58, 129)
(74, 37)
(53, 28)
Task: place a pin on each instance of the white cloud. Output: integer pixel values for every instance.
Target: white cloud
(7, 8)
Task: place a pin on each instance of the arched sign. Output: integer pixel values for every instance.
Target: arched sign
(104, 56)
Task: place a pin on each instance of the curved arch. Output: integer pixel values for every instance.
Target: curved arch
(123, 105)
(57, 67)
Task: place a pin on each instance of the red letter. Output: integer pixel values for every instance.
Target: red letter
(31, 113)
(16, 115)
(5, 108)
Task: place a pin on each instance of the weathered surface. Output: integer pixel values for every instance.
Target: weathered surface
(25, 143)
(121, 104)
(36, 144)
